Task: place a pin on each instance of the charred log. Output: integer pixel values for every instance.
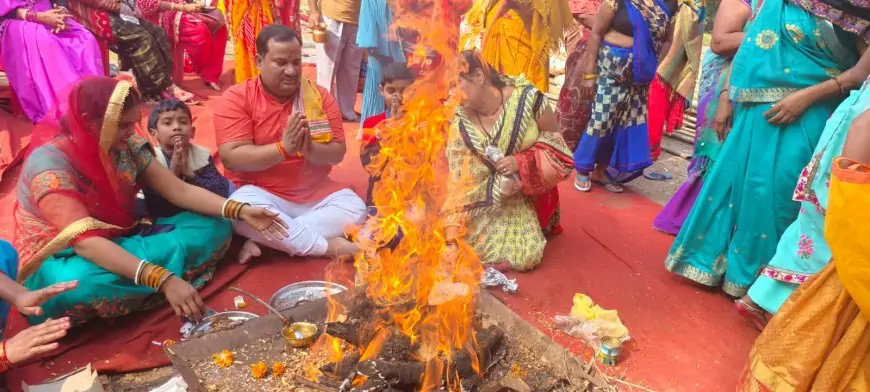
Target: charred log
(345, 331)
(489, 342)
(394, 374)
(342, 369)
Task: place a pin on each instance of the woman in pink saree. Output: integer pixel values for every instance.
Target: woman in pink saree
(44, 52)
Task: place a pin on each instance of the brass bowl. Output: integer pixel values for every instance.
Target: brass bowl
(318, 33)
(300, 335)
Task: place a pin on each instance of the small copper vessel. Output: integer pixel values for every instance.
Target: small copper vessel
(318, 33)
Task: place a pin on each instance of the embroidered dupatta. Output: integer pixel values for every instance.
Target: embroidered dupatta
(473, 183)
(72, 159)
(850, 15)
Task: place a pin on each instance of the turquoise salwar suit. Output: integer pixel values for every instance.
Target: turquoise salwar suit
(803, 251)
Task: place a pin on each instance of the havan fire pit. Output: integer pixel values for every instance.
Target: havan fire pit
(513, 356)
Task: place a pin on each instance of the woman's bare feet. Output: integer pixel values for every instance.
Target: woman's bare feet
(341, 247)
(250, 250)
(752, 312)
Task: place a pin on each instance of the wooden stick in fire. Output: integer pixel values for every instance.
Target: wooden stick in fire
(264, 303)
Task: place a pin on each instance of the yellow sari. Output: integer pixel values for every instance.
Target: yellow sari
(820, 340)
(245, 19)
(519, 35)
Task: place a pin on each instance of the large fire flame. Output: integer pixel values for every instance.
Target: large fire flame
(410, 193)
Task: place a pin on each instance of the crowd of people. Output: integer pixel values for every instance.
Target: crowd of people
(107, 215)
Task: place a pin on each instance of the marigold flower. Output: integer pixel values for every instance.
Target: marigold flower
(223, 358)
(278, 369)
(259, 370)
(168, 342)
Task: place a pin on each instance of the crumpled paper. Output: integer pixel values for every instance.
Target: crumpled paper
(592, 323)
(493, 278)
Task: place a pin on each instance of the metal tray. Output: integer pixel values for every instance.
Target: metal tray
(204, 327)
(292, 295)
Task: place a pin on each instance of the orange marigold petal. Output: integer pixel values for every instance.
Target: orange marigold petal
(259, 370)
(278, 369)
(223, 358)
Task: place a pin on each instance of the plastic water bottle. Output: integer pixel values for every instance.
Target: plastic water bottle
(494, 154)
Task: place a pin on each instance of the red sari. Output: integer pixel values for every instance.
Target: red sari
(198, 38)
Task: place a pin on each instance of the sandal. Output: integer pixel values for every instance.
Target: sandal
(656, 176)
(582, 182)
(751, 313)
(610, 186)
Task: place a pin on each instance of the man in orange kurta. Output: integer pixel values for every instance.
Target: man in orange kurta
(278, 136)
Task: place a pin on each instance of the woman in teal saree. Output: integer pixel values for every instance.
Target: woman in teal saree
(803, 251)
(75, 220)
(792, 72)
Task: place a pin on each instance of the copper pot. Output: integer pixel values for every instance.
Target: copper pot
(318, 33)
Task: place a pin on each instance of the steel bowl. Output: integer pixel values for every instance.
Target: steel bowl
(204, 326)
(300, 335)
(292, 295)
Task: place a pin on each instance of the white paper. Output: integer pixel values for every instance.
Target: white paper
(84, 380)
(175, 384)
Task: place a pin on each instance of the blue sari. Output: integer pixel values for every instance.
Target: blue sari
(617, 131)
(375, 18)
(803, 251)
(745, 204)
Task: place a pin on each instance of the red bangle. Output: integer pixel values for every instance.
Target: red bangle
(5, 363)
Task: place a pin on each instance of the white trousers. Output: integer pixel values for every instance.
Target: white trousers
(310, 224)
(338, 64)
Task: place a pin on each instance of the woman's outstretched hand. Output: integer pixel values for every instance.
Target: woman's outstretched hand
(29, 303)
(266, 222)
(183, 298)
(789, 108)
(36, 340)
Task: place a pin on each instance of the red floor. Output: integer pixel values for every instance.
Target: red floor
(685, 338)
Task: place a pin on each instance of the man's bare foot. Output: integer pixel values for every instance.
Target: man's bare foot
(341, 247)
(249, 251)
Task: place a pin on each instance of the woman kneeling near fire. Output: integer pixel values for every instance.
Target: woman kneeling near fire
(505, 155)
(75, 219)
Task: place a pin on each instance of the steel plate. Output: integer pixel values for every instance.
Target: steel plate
(296, 293)
(204, 327)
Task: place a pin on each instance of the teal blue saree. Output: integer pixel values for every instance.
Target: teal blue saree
(745, 204)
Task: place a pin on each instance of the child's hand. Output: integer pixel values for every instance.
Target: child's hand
(183, 149)
(395, 103)
(177, 164)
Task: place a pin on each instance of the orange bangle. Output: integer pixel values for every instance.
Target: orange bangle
(281, 149)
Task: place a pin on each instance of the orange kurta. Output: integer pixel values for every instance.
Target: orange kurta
(248, 112)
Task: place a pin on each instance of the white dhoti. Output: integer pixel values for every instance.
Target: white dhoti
(310, 224)
(338, 64)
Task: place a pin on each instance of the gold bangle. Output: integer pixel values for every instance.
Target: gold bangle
(589, 76)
